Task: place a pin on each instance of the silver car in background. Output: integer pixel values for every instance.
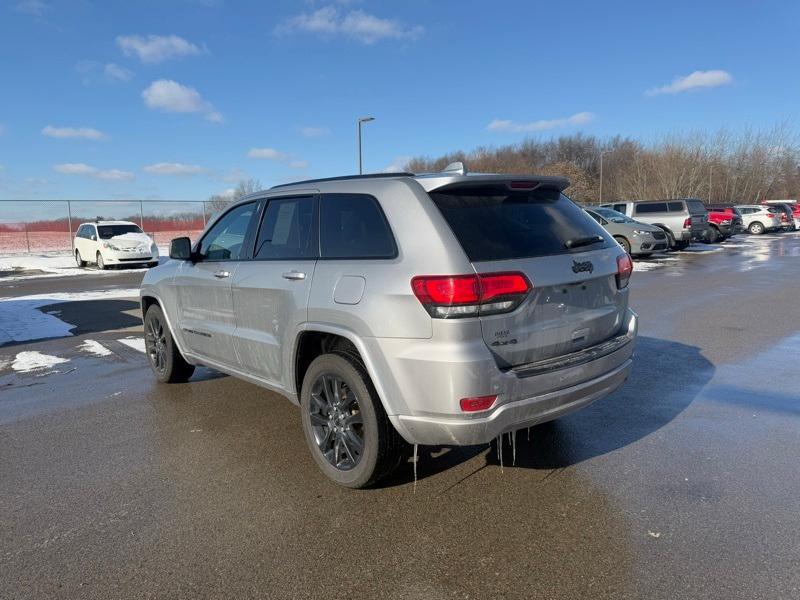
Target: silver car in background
(395, 309)
(637, 239)
(759, 218)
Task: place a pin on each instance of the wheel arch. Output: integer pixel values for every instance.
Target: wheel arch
(149, 299)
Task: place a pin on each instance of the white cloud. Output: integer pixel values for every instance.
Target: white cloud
(693, 81)
(311, 132)
(170, 96)
(87, 133)
(397, 165)
(34, 8)
(298, 164)
(235, 176)
(90, 171)
(114, 71)
(355, 24)
(580, 118)
(164, 168)
(267, 153)
(156, 48)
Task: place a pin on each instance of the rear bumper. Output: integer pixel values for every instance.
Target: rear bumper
(525, 398)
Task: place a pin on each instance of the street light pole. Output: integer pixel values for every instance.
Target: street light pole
(360, 121)
(710, 173)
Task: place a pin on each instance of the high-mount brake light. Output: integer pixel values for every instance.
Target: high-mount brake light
(624, 270)
(523, 185)
(454, 296)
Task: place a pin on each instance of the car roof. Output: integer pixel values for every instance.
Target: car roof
(450, 177)
(110, 223)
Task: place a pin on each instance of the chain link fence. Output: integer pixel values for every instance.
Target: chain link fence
(49, 226)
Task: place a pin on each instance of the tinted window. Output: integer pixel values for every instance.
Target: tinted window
(285, 230)
(353, 226)
(492, 223)
(619, 208)
(108, 231)
(695, 207)
(596, 217)
(651, 207)
(675, 206)
(225, 240)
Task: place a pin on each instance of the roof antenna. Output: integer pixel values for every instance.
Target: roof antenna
(455, 168)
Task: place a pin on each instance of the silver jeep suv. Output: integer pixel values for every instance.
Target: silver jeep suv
(398, 309)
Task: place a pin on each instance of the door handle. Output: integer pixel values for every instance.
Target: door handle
(222, 274)
(294, 275)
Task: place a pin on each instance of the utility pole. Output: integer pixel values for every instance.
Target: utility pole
(601, 173)
(710, 173)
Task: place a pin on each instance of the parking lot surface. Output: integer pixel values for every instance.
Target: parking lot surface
(683, 484)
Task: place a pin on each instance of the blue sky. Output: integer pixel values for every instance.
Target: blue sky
(178, 99)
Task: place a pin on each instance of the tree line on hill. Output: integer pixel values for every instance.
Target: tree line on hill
(740, 168)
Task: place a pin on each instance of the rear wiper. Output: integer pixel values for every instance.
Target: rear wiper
(584, 241)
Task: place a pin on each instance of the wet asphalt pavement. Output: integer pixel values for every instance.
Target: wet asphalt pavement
(683, 484)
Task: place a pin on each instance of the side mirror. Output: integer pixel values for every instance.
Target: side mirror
(180, 248)
(94, 238)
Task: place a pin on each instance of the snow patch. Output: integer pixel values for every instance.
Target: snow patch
(22, 320)
(28, 361)
(28, 266)
(94, 347)
(136, 343)
(647, 266)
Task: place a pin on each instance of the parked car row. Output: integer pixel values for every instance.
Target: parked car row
(643, 227)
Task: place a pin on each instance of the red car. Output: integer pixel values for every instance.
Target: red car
(723, 222)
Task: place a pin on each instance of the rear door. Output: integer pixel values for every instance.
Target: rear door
(568, 258)
(205, 303)
(270, 292)
(699, 214)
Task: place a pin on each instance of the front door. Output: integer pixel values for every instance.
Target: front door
(270, 292)
(205, 303)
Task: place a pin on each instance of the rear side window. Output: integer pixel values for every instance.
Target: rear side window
(353, 226)
(493, 223)
(675, 206)
(651, 207)
(286, 229)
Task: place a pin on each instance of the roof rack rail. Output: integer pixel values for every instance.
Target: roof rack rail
(345, 178)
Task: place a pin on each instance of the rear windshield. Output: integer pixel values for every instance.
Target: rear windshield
(493, 223)
(108, 231)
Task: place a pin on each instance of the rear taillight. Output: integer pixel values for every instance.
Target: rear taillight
(453, 296)
(478, 403)
(687, 224)
(624, 270)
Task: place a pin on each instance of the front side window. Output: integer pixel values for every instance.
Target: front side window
(225, 240)
(620, 208)
(106, 232)
(353, 226)
(286, 229)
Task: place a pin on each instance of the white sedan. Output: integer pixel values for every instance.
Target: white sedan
(108, 243)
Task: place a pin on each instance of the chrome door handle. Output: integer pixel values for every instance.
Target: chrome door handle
(222, 274)
(294, 275)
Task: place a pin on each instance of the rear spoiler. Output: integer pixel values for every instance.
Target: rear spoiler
(440, 182)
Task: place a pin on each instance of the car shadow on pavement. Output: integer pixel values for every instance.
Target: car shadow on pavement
(667, 376)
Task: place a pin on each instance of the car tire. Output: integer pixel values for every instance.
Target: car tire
(682, 245)
(101, 264)
(78, 260)
(756, 228)
(714, 235)
(150, 265)
(626, 245)
(351, 439)
(162, 353)
(670, 239)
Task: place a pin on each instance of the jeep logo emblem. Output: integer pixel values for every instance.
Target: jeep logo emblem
(582, 267)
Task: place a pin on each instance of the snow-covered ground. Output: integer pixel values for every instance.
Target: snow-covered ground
(23, 266)
(21, 317)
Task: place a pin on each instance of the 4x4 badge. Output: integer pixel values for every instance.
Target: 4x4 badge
(582, 267)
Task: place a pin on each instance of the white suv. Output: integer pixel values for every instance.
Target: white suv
(113, 243)
(758, 219)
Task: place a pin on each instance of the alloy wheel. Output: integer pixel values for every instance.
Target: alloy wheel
(336, 421)
(155, 340)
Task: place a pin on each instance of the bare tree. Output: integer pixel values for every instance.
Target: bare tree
(218, 202)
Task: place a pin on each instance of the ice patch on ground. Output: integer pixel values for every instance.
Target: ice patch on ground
(30, 360)
(94, 347)
(647, 266)
(136, 343)
(22, 320)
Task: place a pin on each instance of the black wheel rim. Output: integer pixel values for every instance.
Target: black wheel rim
(336, 421)
(155, 340)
